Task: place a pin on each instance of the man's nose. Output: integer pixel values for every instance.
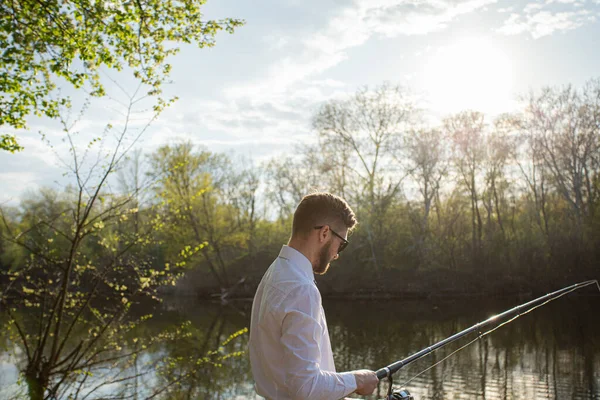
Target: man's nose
(336, 257)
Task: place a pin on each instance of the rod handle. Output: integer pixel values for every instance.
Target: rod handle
(382, 373)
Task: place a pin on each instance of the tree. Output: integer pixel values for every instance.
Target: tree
(527, 155)
(75, 277)
(428, 165)
(467, 130)
(66, 285)
(243, 197)
(292, 178)
(44, 43)
(133, 181)
(192, 190)
(499, 147)
(565, 123)
(362, 134)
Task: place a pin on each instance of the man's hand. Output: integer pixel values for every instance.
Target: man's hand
(366, 381)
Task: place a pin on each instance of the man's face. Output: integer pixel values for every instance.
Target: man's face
(324, 259)
(328, 253)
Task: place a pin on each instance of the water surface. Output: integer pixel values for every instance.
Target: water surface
(553, 352)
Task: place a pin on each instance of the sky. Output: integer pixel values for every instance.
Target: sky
(254, 93)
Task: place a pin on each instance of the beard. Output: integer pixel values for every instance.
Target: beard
(322, 264)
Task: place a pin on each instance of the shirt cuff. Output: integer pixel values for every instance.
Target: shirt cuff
(349, 382)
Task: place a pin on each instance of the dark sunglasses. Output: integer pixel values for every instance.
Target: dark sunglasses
(344, 243)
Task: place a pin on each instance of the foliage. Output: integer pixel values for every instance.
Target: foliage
(44, 43)
(9, 143)
(205, 201)
(79, 262)
(469, 194)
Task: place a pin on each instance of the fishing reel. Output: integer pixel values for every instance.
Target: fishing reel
(401, 394)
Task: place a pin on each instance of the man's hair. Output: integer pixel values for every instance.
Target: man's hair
(320, 208)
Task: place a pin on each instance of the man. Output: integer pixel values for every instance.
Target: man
(289, 345)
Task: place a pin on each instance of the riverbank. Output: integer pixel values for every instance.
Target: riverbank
(345, 281)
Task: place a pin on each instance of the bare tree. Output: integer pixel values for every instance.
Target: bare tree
(527, 155)
(499, 145)
(467, 130)
(427, 160)
(133, 180)
(565, 125)
(292, 177)
(366, 131)
(244, 199)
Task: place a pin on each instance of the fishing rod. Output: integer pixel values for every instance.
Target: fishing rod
(394, 367)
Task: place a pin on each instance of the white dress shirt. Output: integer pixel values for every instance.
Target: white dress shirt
(290, 351)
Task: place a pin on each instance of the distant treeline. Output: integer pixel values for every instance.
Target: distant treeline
(466, 205)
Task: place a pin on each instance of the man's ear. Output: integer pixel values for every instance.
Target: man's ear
(323, 233)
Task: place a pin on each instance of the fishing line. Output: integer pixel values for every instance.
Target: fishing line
(481, 335)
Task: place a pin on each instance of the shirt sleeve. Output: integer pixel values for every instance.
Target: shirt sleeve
(301, 340)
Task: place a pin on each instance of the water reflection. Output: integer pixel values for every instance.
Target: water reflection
(553, 352)
(550, 353)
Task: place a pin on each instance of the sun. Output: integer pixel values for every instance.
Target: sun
(469, 74)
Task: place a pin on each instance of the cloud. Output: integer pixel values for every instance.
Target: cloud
(352, 27)
(564, 1)
(233, 122)
(506, 9)
(27, 171)
(532, 7)
(544, 19)
(18, 182)
(276, 42)
(395, 18)
(281, 102)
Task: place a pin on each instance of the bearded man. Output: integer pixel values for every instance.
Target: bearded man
(289, 346)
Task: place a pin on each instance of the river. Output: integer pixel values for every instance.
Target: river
(552, 352)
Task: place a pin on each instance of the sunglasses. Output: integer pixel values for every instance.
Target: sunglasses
(344, 242)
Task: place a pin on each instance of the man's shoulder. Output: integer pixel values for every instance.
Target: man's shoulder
(283, 273)
(282, 282)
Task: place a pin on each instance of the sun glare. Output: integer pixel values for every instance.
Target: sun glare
(470, 74)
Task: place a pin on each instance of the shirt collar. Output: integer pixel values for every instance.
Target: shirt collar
(297, 259)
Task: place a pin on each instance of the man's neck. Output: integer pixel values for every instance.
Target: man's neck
(304, 248)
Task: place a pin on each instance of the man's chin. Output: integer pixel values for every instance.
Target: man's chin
(323, 271)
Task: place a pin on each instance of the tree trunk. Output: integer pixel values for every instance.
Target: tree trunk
(35, 388)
